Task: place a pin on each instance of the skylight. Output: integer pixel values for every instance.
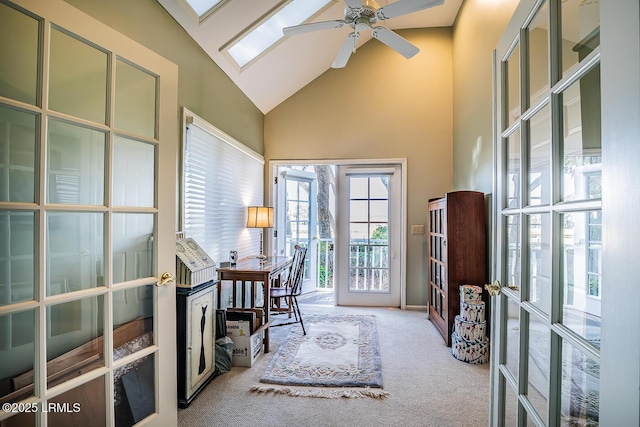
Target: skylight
(265, 35)
(202, 7)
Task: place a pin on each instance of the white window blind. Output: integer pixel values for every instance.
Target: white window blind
(221, 178)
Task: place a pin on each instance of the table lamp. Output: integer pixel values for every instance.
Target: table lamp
(260, 217)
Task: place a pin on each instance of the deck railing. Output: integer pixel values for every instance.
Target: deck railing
(324, 264)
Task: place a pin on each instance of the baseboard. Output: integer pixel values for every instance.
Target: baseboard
(416, 308)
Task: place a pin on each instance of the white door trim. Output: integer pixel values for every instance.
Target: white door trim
(309, 283)
(402, 162)
(61, 13)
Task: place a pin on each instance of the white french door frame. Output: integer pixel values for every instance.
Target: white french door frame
(400, 162)
(309, 281)
(61, 15)
(344, 294)
(619, 371)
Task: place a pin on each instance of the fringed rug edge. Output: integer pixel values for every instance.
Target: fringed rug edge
(325, 393)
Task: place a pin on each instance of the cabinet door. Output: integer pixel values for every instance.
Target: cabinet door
(437, 263)
(200, 349)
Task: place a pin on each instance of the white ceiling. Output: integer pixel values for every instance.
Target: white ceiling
(295, 61)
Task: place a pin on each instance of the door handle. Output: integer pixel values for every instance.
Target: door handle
(493, 288)
(166, 279)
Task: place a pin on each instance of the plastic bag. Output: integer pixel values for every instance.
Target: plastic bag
(224, 352)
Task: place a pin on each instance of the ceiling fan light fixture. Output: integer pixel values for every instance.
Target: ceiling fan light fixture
(361, 24)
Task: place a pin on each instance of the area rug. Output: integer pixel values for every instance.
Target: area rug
(339, 357)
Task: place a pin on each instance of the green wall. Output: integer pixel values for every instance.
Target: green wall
(202, 86)
(476, 31)
(478, 27)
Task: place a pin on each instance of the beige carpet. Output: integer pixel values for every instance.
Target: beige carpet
(427, 386)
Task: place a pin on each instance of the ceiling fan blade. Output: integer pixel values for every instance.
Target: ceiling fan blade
(354, 4)
(402, 7)
(394, 41)
(347, 48)
(314, 26)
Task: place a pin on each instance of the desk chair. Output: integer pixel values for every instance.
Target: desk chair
(292, 288)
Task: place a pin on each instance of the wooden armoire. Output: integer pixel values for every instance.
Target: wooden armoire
(457, 254)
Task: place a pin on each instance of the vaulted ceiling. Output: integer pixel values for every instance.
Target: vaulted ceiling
(296, 60)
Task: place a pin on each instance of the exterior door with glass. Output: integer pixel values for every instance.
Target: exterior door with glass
(369, 224)
(87, 139)
(297, 214)
(555, 199)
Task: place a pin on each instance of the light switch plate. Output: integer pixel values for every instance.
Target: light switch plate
(417, 229)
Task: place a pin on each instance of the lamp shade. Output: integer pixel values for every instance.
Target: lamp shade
(259, 217)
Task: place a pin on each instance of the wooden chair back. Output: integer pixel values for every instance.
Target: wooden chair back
(296, 273)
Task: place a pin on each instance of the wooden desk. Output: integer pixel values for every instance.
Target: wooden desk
(254, 270)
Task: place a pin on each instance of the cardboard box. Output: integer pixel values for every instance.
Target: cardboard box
(247, 349)
(238, 328)
(254, 314)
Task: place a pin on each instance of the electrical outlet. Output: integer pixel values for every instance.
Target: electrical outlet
(417, 229)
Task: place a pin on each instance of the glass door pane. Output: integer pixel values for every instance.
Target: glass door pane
(538, 366)
(581, 267)
(133, 173)
(298, 215)
(83, 405)
(369, 233)
(17, 155)
(512, 337)
(581, 145)
(539, 282)
(135, 99)
(74, 338)
(134, 335)
(512, 85)
(539, 157)
(17, 346)
(580, 31)
(132, 246)
(19, 53)
(75, 251)
(511, 406)
(134, 391)
(538, 33)
(580, 389)
(75, 164)
(17, 256)
(298, 198)
(77, 77)
(513, 179)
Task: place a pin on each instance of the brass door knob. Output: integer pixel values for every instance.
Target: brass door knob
(166, 279)
(493, 288)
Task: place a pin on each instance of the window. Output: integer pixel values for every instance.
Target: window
(221, 177)
(252, 43)
(204, 8)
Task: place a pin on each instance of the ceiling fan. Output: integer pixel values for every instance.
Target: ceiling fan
(363, 14)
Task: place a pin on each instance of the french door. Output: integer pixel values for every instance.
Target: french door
(297, 214)
(369, 242)
(88, 134)
(559, 158)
